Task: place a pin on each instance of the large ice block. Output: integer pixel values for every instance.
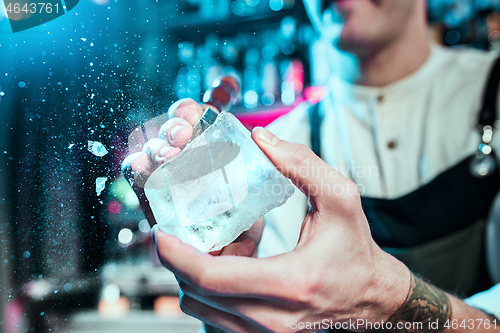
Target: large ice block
(216, 188)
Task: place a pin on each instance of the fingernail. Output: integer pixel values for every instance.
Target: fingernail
(174, 131)
(266, 136)
(174, 106)
(163, 154)
(164, 151)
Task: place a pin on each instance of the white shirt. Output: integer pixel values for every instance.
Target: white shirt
(392, 140)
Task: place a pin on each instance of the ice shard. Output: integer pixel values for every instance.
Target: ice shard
(97, 148)
(216, 188)
(100, 184)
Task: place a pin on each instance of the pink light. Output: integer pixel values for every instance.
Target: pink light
(314, 94)
(13, 315)
(264, 118)
(298, 76)
(114, 207)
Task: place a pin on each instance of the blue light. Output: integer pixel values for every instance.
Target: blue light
(3, 13)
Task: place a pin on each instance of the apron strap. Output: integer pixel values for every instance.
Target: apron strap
(489, 112)
(315, 121)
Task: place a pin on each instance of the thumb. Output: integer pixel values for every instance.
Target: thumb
(315, 178)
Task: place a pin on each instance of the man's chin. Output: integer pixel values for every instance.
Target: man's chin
(362, 49)
(350, 45)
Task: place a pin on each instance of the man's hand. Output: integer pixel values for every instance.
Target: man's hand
(335, 274)
(165, 138)
(162, 138)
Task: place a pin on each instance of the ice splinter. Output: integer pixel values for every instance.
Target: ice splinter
(97, 148)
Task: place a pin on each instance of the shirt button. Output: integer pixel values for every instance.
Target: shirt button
(380, 98)
(392, 144)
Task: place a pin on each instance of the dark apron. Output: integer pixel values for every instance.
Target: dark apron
(438, 230)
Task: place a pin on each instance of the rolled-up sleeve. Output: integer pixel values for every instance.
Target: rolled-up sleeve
(488, 301)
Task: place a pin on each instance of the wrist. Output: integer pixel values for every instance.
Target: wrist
(392, 283)
(386, 289)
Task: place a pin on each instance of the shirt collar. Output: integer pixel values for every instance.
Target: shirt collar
(346, 91)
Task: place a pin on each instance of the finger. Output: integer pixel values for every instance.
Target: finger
(244, 248)
(187, 109)
(224, 275)
(215, 253)
(254, 233)
(215, 317)
(142, 166)
(315, 178)
(241, 247)
(160, 151)
(268, 316)
(176, 131)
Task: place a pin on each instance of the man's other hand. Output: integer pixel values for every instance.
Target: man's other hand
(335, 274)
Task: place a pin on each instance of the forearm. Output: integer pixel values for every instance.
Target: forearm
(429, 309)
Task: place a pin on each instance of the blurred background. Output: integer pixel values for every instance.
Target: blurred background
(75, 249)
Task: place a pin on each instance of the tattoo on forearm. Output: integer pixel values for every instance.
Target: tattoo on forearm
(425, 304)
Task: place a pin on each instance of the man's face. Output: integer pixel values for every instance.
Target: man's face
(372, 24)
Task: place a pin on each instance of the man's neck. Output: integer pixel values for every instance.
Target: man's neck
(396, 61)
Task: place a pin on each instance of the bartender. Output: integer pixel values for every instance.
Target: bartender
(423, 118)
(415, 132)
